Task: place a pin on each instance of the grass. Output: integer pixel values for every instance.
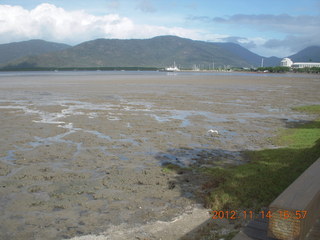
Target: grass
(270, 171)
(301, 135)
(170, 168)
(313, 109)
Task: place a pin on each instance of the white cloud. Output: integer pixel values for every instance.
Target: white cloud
(297, 32)
(114, 4)
(146, 6)
(283, 23)
(249, 43)
(293, 43)
(50, 22)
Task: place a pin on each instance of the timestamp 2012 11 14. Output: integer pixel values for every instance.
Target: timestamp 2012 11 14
(233, 214)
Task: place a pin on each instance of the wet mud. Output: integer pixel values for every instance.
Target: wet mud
(82, 154)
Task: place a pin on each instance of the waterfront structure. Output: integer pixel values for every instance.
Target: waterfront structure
(305, 65)
(174, 68)
(287, 62)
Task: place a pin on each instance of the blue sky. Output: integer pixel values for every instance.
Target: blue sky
(269, 28)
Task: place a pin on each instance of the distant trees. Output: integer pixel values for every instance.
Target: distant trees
(277, 69)
(307, 70)
(280, 69)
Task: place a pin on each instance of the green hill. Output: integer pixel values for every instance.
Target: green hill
(156, 52)
(16, 50)
(250, 57)
(309, 54)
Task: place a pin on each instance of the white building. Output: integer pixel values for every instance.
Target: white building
(287, 62)
(305, 65)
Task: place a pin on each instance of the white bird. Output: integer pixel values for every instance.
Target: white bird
(213, 132)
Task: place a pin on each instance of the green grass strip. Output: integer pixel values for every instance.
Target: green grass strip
(256, 184)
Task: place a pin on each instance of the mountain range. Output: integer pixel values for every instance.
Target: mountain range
(156, 52)
(309, 54)
(16, 50)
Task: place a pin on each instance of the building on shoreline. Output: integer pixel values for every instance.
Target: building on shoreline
(305, 65)
(287, 62)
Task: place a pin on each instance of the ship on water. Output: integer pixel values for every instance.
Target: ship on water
(173, 68)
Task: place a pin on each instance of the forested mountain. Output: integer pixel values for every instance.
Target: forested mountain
(15, 50)
(309, 54)
(157, 52)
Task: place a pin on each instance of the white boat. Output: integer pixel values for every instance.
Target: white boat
(173, 68)
(195, 68)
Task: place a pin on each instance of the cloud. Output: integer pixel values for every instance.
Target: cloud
(146, 6)
(245, 42)
(298, 31)
(293, 43)
(114, 4)
(283, 23)
(200, 18)
(50, 22)
(192, 5)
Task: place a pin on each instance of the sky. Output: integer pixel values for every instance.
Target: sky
(266, 27)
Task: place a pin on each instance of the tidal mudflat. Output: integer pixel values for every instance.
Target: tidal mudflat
(81, 153)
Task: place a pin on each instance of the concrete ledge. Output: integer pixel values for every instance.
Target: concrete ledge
(296, 209)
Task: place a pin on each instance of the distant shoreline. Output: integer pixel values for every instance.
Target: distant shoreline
(156, 69)
(80, 69)
(136, 70)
